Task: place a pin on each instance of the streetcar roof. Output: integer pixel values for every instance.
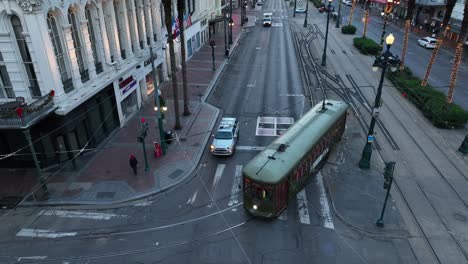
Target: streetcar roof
(299, 138)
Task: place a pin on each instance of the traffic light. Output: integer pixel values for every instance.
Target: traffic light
(143, 131)
(388, 174)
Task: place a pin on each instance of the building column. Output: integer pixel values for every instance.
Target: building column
(133, 28)
(154, 19)
(112, 31)
(89, 50)
(141, 28)
(103, 37)
(126, 29)
(75, 70)
(45, 193)
(148, 21)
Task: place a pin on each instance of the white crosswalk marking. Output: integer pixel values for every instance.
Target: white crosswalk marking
(75, 214)
(218, 174)
(233, 200)
(302, 207)
(26, 232)
(328, 221)
(284, 215)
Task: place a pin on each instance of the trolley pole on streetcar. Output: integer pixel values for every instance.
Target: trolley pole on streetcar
(388, 180)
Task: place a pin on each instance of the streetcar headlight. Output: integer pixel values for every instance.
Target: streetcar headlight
(255, 207)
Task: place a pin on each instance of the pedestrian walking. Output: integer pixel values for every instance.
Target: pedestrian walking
(133, 163)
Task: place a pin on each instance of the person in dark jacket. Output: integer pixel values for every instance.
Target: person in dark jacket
(133, 163)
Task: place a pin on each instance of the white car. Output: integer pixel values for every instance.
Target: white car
(300, 10)
(347, 2)
(225, 139)
(427, 42)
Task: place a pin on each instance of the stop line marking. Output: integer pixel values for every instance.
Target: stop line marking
(26, 232)
(235, 187)
(75, 214)
(328, 221)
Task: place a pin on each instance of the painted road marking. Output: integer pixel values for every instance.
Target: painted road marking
(192, 199)
(328, 221)
(302, 207)
(31, 257)
(276, 24)
(235, 187)
(255, 148)
(26, 232)
(284, 215)
(144, 203)
(218, 174)
(84, 215)
(252, 84)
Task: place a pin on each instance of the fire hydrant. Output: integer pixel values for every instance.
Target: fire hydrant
(157, 150)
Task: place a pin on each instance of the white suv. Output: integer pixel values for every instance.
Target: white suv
(427, 42)
(225, 139)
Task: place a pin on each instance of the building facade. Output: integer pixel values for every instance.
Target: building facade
(72, 72)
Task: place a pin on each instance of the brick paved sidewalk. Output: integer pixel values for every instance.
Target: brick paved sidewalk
(105, 177)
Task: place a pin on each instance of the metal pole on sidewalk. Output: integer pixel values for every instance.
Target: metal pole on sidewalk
(294, 11)
(339, 14)
(324, 56)
(231, 23)
(213, 45)
(42, 182)
(388, 180)
(226, 52)
(158, 105)
(306, 13)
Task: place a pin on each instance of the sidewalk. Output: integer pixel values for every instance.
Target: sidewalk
(105, 177)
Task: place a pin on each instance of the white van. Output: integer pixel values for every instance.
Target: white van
(267, 18)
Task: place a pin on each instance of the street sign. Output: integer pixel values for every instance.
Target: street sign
(370, 138)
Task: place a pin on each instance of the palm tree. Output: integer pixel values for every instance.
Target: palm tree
(366, 18)
(170, 38)
(180, 15)
(409, 17)
(352, 12)
(458, 54)
(443, 28)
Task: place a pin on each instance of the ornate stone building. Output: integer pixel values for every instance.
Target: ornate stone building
(71, 72)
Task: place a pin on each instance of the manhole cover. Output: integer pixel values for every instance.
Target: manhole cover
(175, 173)
(105, 195)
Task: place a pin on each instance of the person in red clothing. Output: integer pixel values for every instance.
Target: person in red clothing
(133, 163)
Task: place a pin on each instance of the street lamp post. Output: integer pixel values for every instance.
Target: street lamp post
(226, 48)
(141, 138)
(213, 45)
(158, 105)
(42, 181)
(339, 15)
(387, 10)
(324, 56)
(294, 11)
(231, 24)
(306, 13)
(383, 61)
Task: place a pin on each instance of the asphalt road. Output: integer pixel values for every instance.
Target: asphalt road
(417, 57)
(202, 221)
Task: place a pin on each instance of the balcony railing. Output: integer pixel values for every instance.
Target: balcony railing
(16, 115)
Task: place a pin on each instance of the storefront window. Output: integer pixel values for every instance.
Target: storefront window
(189, 48)
(129, 105)
(149, 84)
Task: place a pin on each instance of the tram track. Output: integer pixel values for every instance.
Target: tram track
(356, 99)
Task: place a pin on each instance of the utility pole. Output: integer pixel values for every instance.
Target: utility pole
(158, 105)
(388, 180)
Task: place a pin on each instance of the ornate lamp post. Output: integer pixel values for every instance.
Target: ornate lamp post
(158, 105)
(387, 10)
(226, 45)
(339, 15)
(231, 24)
(324, 56)
(380, 61)
(294, 11)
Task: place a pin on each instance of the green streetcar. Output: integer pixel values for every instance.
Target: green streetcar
(282, 169)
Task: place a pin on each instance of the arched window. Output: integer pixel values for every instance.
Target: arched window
(131, 21)
(26, 56)
(120, 27)
(77, 44)
(60, 55)
(92, 38)
(6, 91)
